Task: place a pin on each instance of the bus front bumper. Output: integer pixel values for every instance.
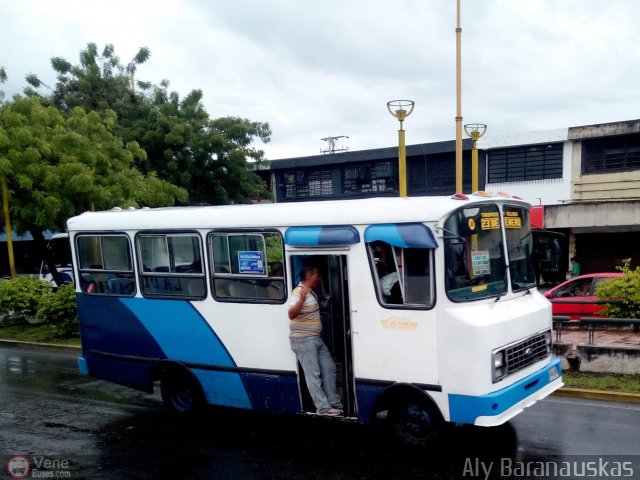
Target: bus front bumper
(498, 407)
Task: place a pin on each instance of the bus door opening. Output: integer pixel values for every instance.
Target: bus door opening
(333, 296)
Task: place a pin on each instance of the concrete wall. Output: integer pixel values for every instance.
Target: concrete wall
(608, 359)
(595, 216)
(561, 350)
(604, 129)
(598, 358)
(602, 186)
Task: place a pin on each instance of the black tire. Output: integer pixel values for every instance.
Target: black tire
(416, 421)
(181, 392)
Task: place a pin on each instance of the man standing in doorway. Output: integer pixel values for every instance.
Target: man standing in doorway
(306, 342)
(574, 271)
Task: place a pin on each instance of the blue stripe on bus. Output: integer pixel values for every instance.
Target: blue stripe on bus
(107, 325)
(404, 235)
(185, 336)
(273, 393)
(321, 235)
(154, 329)
(466, 408)
(180, 330)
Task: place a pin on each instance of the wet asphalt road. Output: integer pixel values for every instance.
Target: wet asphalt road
(104, 431)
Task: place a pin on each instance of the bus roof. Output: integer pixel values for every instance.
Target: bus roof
(337, 212)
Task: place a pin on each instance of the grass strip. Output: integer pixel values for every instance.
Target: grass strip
(41, 333)
(618, 382)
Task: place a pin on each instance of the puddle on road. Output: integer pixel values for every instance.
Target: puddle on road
(16, 365)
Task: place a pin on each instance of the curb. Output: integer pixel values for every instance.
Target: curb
(598, 395)
(44, 346)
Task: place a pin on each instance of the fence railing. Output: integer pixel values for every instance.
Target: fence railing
(591, 324)
(558, 322)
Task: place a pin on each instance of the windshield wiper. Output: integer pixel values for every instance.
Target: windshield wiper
(504, 279)
(500, 295)
(527, 290)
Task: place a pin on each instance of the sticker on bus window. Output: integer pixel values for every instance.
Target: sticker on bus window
(512, 220)
(480, 262)
(250, 262)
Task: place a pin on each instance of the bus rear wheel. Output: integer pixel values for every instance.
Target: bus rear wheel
(415, 421)
(181, 392)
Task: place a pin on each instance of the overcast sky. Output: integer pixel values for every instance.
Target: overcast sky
(312, 69)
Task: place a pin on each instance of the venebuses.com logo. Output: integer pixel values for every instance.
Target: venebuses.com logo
(18, 467)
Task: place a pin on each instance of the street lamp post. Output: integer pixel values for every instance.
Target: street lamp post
(475, 131)
(398, 108)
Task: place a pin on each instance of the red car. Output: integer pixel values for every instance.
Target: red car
(576, 298)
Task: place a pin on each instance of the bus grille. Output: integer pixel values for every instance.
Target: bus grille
(525, 353)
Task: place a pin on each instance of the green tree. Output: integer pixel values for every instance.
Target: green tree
(624, 292)
(213, 159)
(57, 167)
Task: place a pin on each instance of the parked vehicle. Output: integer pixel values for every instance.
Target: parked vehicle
(576, 298)
(59, 252)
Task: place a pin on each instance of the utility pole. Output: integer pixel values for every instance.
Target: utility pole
(7, 224)
(458, 101)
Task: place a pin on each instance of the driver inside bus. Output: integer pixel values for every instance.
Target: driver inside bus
(306, 341)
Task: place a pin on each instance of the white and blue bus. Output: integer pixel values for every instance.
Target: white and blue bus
(196, 298)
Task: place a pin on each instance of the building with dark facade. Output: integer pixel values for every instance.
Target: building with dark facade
(584, 184)
(369, 173)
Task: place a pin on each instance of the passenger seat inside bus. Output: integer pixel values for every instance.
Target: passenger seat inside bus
(247, 290)
(120, 286)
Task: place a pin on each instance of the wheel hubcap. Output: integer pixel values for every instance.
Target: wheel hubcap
(417, 421)
(182, 397)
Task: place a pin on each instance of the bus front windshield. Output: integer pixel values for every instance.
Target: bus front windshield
(519, 247)
(474, 254)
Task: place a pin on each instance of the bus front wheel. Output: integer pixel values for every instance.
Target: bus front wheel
(415, 421)
(181, 392)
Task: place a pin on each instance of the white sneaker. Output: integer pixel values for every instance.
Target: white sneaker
(331, 412)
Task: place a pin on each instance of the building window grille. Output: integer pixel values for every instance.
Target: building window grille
(378, 177)
(611, 154)
(306, 184)
(522, 164)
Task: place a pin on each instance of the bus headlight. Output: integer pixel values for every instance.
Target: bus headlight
(498, 364)
(548, 339)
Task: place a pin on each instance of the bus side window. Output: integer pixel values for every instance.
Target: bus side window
(403, 276)
(247, 266)
(172, 265)
(105, 265)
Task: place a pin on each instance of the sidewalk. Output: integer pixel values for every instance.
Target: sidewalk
(611, 337)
